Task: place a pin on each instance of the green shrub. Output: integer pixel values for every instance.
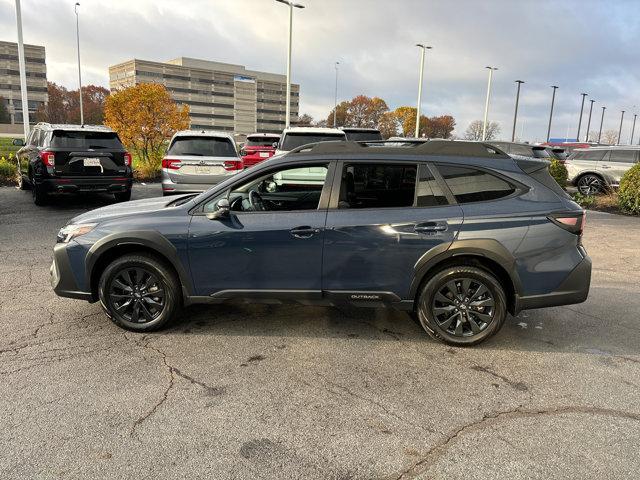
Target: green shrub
(629, 192)
(585, 201)
(559, 172)
(8, 169)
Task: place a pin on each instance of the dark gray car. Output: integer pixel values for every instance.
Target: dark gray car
(458, 234)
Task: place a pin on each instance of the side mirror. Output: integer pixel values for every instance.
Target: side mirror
(222, 210)
(18, 142)
(274, 144)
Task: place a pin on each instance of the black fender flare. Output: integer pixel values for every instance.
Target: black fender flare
(150, 239)
(481, 248)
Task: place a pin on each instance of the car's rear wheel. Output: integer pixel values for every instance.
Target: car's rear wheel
(38, 193)
(123, 196)
(22, 184)
(139, 292)
(462, 305)
(591, 184)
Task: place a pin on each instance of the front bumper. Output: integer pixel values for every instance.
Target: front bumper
(62, 279)
(86, 184)
(574, 289)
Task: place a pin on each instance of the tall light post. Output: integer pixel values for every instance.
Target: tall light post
(633, 128)
(23, 73)
(586, 137)
(335, 108)
(515, 114)
(580, 119)
(620, 129)
(553, 100)
(75, 9)
(601, 122)
(423, 49)
(486, 104)
(291, 5)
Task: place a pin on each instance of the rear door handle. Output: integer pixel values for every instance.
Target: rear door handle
(605, 166)
(431, 227)
(304, 231)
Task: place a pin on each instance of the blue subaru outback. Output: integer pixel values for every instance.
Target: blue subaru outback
(458, 234)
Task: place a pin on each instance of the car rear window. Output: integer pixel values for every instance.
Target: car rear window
(203, 147)
(261, 141)
(472, 185)
(540, 153)
(295, 140)
(378, 186)
(363, 136)
(80, 140)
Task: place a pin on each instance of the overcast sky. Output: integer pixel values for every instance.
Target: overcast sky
(580, 45)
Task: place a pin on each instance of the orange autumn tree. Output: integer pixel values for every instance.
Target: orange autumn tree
(145, 117)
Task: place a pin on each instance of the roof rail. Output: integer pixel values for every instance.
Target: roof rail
(433, 147)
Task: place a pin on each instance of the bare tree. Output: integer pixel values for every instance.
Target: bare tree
(610, 137)
(474, 130)
(593, 136)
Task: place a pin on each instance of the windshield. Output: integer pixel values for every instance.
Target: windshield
(261, 141)
(295, 140)
(363, 136)
(202, 147)
(81, 140)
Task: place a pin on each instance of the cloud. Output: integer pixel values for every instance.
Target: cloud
(580, 45)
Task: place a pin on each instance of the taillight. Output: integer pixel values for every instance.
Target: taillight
(48, 158)
(573, 222)
(233, 165)
(171, 163)
(127, 159)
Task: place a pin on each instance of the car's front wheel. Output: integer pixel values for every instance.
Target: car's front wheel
(139, 292)
(462, 305)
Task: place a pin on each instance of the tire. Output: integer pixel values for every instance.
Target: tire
(143, 282)
(22, 185)
(467, 322)
(123, 196)
(591, 184)
(40, 197)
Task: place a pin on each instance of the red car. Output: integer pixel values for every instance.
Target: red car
(258, 147)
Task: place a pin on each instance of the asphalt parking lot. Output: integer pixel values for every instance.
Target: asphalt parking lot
(265, 392)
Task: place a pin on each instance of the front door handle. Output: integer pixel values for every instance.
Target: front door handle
(304, 231)
(431, 227)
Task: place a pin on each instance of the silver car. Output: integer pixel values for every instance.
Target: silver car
(196, 160)
(594, 170)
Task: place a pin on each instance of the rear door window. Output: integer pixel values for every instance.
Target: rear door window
(622, 156)
(84, 140)
(378, 185)
(473, 185)
(202, 147)
(589, 156)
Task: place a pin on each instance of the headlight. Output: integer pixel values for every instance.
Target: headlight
(71, 231)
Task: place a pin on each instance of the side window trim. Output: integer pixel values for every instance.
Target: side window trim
(443, 184)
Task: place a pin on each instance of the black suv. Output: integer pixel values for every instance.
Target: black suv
(74, 158)
(456, 233)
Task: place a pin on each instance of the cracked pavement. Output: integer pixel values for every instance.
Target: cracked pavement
(268, 392)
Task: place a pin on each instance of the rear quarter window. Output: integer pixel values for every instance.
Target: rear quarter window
(473, 185)
(588, 156)
(622, 156)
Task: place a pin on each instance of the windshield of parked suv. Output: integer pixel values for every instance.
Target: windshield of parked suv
(295, 140)
(202, 147)
(363, 136)
(80, 140)
(260, 141)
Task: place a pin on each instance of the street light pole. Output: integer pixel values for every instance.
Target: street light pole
(23, 73)
(75, 9)
(486, 104)
(553, 99)
(601, 122)
(586, 137)
(423, 48)
(580, 119)
(620, 129)
(515, 114)
(335, 108)
(287, 121)
(633, 128)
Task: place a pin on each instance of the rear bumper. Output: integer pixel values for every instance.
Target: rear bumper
(62, 279)
(251, 160)
(169, 186)
(86, 184)
(574, 289)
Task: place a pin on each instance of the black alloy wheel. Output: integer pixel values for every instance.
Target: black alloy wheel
(137, 295)
(590, 184)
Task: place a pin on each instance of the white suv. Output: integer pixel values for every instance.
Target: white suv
(593, 170)
(196, 160)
